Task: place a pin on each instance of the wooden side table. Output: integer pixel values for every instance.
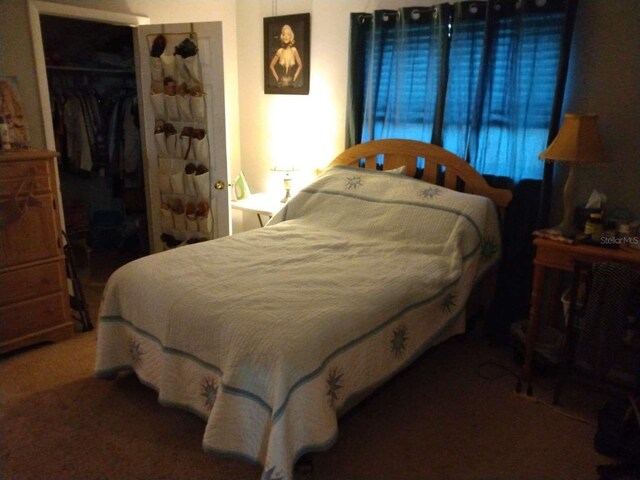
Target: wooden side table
(260, 204)
(551, 254)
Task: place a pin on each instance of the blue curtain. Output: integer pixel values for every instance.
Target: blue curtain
(464, 89)
(403, 63)
(520, 79)
(479, 78)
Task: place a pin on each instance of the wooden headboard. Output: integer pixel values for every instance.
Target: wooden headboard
(441, 166)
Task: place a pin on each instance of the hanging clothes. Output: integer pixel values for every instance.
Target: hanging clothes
(125, 158)
(78, 142)
(77, 121)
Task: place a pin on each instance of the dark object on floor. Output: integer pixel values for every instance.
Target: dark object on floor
(76, 298)
(618, 436)
(622, 471)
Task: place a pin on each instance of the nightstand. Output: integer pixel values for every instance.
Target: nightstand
(260, 204)
(556, 255)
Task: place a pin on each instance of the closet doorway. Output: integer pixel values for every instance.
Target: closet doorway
(210, 121)
(92, 87)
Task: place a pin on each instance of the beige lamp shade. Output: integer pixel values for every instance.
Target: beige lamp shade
(577, 141)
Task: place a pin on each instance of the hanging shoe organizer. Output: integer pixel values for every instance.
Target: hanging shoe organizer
(181, 139)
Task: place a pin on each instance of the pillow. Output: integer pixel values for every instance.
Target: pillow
(397, 171)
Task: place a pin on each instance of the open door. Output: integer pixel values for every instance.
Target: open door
(182, 112)
(208, 38)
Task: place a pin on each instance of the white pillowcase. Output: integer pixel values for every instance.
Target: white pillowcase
(397, 171)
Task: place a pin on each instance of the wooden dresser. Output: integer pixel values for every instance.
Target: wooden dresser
(34, 302)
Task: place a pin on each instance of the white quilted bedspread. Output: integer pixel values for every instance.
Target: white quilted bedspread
(270, 334)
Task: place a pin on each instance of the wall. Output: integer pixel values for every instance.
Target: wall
(16, 59)
(604, 78)
(308, 127)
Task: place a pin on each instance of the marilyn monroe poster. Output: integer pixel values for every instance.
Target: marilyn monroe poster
(287, 54)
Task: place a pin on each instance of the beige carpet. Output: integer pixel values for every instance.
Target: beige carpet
(449, 416)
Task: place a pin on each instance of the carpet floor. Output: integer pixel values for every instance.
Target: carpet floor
(453, 414)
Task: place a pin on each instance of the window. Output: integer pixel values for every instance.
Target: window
(478, 78)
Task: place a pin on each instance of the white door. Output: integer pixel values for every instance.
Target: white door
(170, 158)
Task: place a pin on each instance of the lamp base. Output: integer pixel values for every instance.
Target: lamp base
(566, 227)
(287, 188)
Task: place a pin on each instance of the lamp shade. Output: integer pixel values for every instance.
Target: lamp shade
(577, 141)
(283, 166)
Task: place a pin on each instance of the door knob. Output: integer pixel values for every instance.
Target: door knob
(219, 185)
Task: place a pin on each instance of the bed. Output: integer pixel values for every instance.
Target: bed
(271, 334)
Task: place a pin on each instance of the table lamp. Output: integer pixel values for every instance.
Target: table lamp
(287, 169)
(578, 141)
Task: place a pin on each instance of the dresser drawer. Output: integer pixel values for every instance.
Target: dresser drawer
(10, 170)
(33, 236)
(25, 283)
(13, 174)
(9, 187)
(31, 317)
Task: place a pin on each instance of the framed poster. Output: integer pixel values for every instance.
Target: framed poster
(12, 112)
(287, 54)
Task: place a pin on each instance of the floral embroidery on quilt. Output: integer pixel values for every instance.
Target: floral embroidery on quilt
(488, 248)
(399, 341)
(430, 192)
(136, 353)
(333, 386)
(209, 390)
(354, 182)
(449, 301)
